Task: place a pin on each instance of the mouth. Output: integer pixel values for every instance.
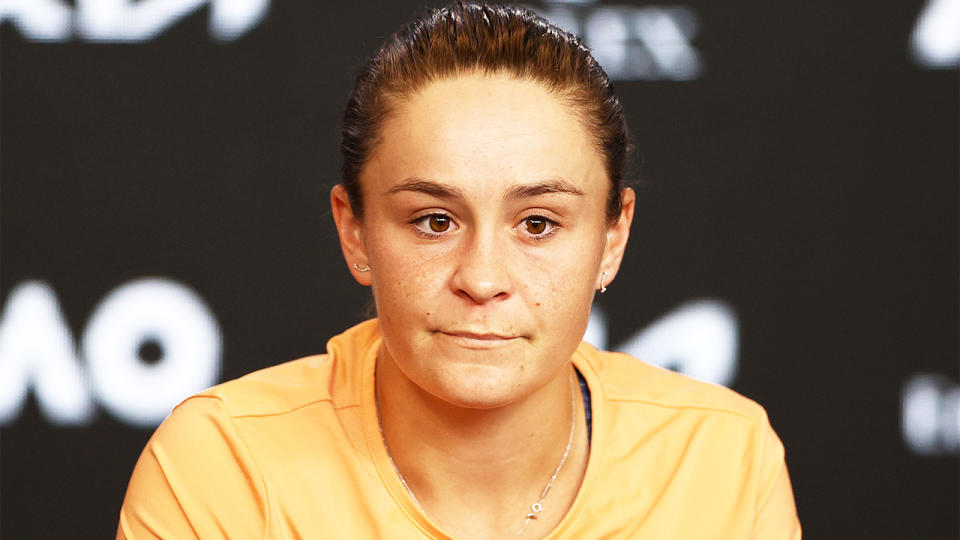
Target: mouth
(479, 340)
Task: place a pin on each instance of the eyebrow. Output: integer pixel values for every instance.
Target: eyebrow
(552, 185)
(442, 191)
(428, 187)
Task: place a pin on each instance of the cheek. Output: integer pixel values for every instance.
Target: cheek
(404, 280)
(560, 283)
(563, 298)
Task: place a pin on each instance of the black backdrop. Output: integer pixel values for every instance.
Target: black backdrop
(807, 177)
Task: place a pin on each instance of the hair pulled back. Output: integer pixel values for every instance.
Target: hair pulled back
(467, 37)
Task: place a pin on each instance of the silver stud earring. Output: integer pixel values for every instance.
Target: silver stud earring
(364, 268)
(603, 280)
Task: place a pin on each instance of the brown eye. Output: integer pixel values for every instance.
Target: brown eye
(435, 225)
(536, 225)
(439, 224)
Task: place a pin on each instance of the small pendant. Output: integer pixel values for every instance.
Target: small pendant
(535, 509)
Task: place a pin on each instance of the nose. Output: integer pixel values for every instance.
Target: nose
(481, 270)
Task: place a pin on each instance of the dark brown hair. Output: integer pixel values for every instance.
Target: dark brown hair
(465, 37)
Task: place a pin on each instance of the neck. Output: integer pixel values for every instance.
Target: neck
(489, 465)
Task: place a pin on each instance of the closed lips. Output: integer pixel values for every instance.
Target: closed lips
(478, 336)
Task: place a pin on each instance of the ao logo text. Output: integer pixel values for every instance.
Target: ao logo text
(148, 345)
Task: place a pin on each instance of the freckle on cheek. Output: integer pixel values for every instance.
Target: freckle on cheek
(538, 304)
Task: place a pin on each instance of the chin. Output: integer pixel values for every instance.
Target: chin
(478, 386)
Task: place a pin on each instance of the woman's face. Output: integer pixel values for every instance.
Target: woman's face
(485, 228)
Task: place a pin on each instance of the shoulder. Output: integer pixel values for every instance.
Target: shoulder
(195, 461)
(204, 471)
(626, 379)
(333, 377)
(698, 445)
(648, 402)
(274, 390)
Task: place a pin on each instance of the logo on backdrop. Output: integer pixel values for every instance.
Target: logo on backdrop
(935, 42)
(632, 42)
(126, 21)
(930, 415)
(698, 338)
(148, 345)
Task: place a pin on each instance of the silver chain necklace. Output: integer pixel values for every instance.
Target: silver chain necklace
(537, 506)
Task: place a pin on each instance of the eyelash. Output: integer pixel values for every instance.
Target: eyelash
(551, 224)
(428, 234)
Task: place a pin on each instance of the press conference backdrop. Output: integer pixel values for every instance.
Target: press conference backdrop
(164, 226)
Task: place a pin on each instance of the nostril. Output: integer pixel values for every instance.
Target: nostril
(479, 275)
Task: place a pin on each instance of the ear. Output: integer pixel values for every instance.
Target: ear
(350, 230)
(617, 236)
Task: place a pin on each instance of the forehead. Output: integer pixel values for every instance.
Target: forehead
(484, 133)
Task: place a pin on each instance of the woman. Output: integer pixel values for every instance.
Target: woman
(482, 202)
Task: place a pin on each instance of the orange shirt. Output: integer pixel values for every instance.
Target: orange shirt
(294, 451)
